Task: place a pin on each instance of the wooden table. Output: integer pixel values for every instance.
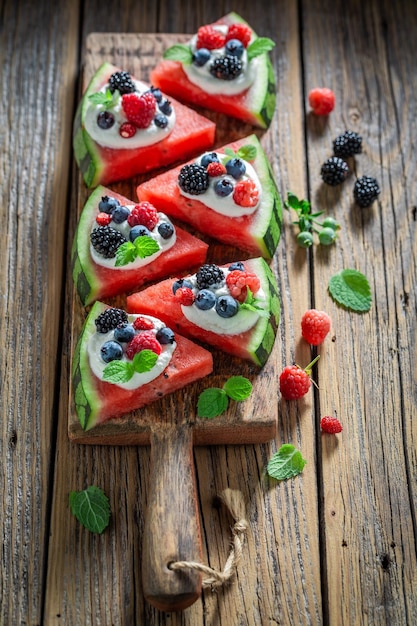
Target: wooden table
(333, 546)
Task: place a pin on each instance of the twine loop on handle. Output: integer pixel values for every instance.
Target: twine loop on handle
(233, 500)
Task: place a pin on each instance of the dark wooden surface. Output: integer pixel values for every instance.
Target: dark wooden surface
(336, 545)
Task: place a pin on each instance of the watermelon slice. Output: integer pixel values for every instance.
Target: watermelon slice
(100, 163)
(254, 344)
(257, 233)
(97, 401)
(254, 105)
(95, 281)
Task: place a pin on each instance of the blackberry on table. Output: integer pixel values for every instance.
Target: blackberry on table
(193, 179)
(366, 191)
(121, 81)
(334, 171)
(226, 68)
(105, 240)
(110, 319)
(208, 275)
(348, 144)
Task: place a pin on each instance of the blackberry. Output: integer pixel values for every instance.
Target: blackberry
(365, 191)
(348, 144)
(121, 81)
(193, 179)
(334, 171)
(209, 275)
(105, 240)
(226, 68)
(110, 319)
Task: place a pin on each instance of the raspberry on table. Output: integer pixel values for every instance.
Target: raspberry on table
(330, 425)
(144, 214)
(246, 193)
(238, 283)
(321, 100)
(144, 340)
(241, 32)
(139, 109)
(315, 326)
(210, 38)
(294, 382)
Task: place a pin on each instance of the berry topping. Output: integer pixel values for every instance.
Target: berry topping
(165, 107)
(237, 265)
(120, 214)
(127, 130)
(122, 81)
(315, 326)
(156, 93)
(236, 168)
(193, 179)
(105, 120)
(235, 48)
(226, 306)
(185, 295)
(181, 282)
(144, 340)
(139, 231)
(165, 335)
(242, 32)
(107, 204)
(201, 56)
(223, 187)
(334, 171)
(209, 275)
(160, 120)
(124, 332)
(143, 323)
(321, 100)
(209, 157)
(216, 169)
(111, 351)
(103, 219)
(348, 144)
(210, 38)
(139, 109)
(239, 281)
(145, 214)
(246, 193)
(330, 425)
(366, 191)
(166, 230)
(110, 319)
(226, 68)
(105, 240)
(205, 299)
(294, 382)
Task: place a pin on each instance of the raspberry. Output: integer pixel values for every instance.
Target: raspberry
(294, 382)
(238, 282)
(314, 326)
(142, 323)
(330, 425)
(321, 100)
(139, 110)
(127, 130)
(185, 296)
(103, 219)
(144, 340)
(216, 169)
(242, 32)
(246, 193)
(143, 214)
(209, 38)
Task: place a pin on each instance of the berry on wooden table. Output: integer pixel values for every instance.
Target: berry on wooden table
(334, 171)
(315, 326)
(321, 100)
(295, 382)
(366, 191)
(330, 425)
(348, 144)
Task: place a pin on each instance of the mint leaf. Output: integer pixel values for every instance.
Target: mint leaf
(145, 246)
(247, 152)
(144, 361)
(259, 46)
(91, 507)
(286, 463)
(106, 99)
(117, 372)
(125, 253)
(254, 304)
(179, 52)
(292, 202)
(230, 153)
(212, 402)
(351, 289)
(238, 388)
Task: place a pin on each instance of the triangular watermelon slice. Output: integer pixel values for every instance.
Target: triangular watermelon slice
(179, 74)
(97, 400)
(168, 300)
(111, 157)
(99, 277)
(257, 233)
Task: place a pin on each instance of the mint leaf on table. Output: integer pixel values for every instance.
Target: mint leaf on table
(179, 52)
(351, 289)
(238, 388)
(286, 463)
(259, 46)
(212, 402)
(91, 507)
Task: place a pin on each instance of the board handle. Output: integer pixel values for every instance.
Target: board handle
(172, 526)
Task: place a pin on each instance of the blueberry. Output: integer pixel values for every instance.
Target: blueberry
(160, 120)
(226, 306)
(111, 351)
(223, 187)
(165, 107)
(166, 230)
(210, 157)
(234, 48)
(156, 93)
(138, 231)
(120, 214)
(181, 282)
(107, 204)
(124, 333)
(165, 335)
(205, 300)
(105, 120)
(236, 168)
(201, 56)
(237, 265)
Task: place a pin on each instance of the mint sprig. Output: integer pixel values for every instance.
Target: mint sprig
(118, 372)
(253, 304)
(246, 152)
(286, 463)
(214, 401)
(91, 507)
(308, 224)
(141, 247)
(351, 289)
(179, 52)
(259, 46)
(106, 99)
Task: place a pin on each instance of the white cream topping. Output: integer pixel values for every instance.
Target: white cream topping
(110, 137)
(97, 340)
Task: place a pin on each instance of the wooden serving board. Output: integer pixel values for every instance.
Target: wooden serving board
(170, 425)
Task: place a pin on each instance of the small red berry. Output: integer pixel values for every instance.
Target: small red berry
(210, 38)
(216, 169)
(246, 193)
(127, 130)
(315, 326)
(294, 382)
(103, 219)
(321, 100)
(143, 323)
(139, 109)
(237, 283)
(330, 425)
(144, 214)
(144, 340)
(242, 32)
(185, 296)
